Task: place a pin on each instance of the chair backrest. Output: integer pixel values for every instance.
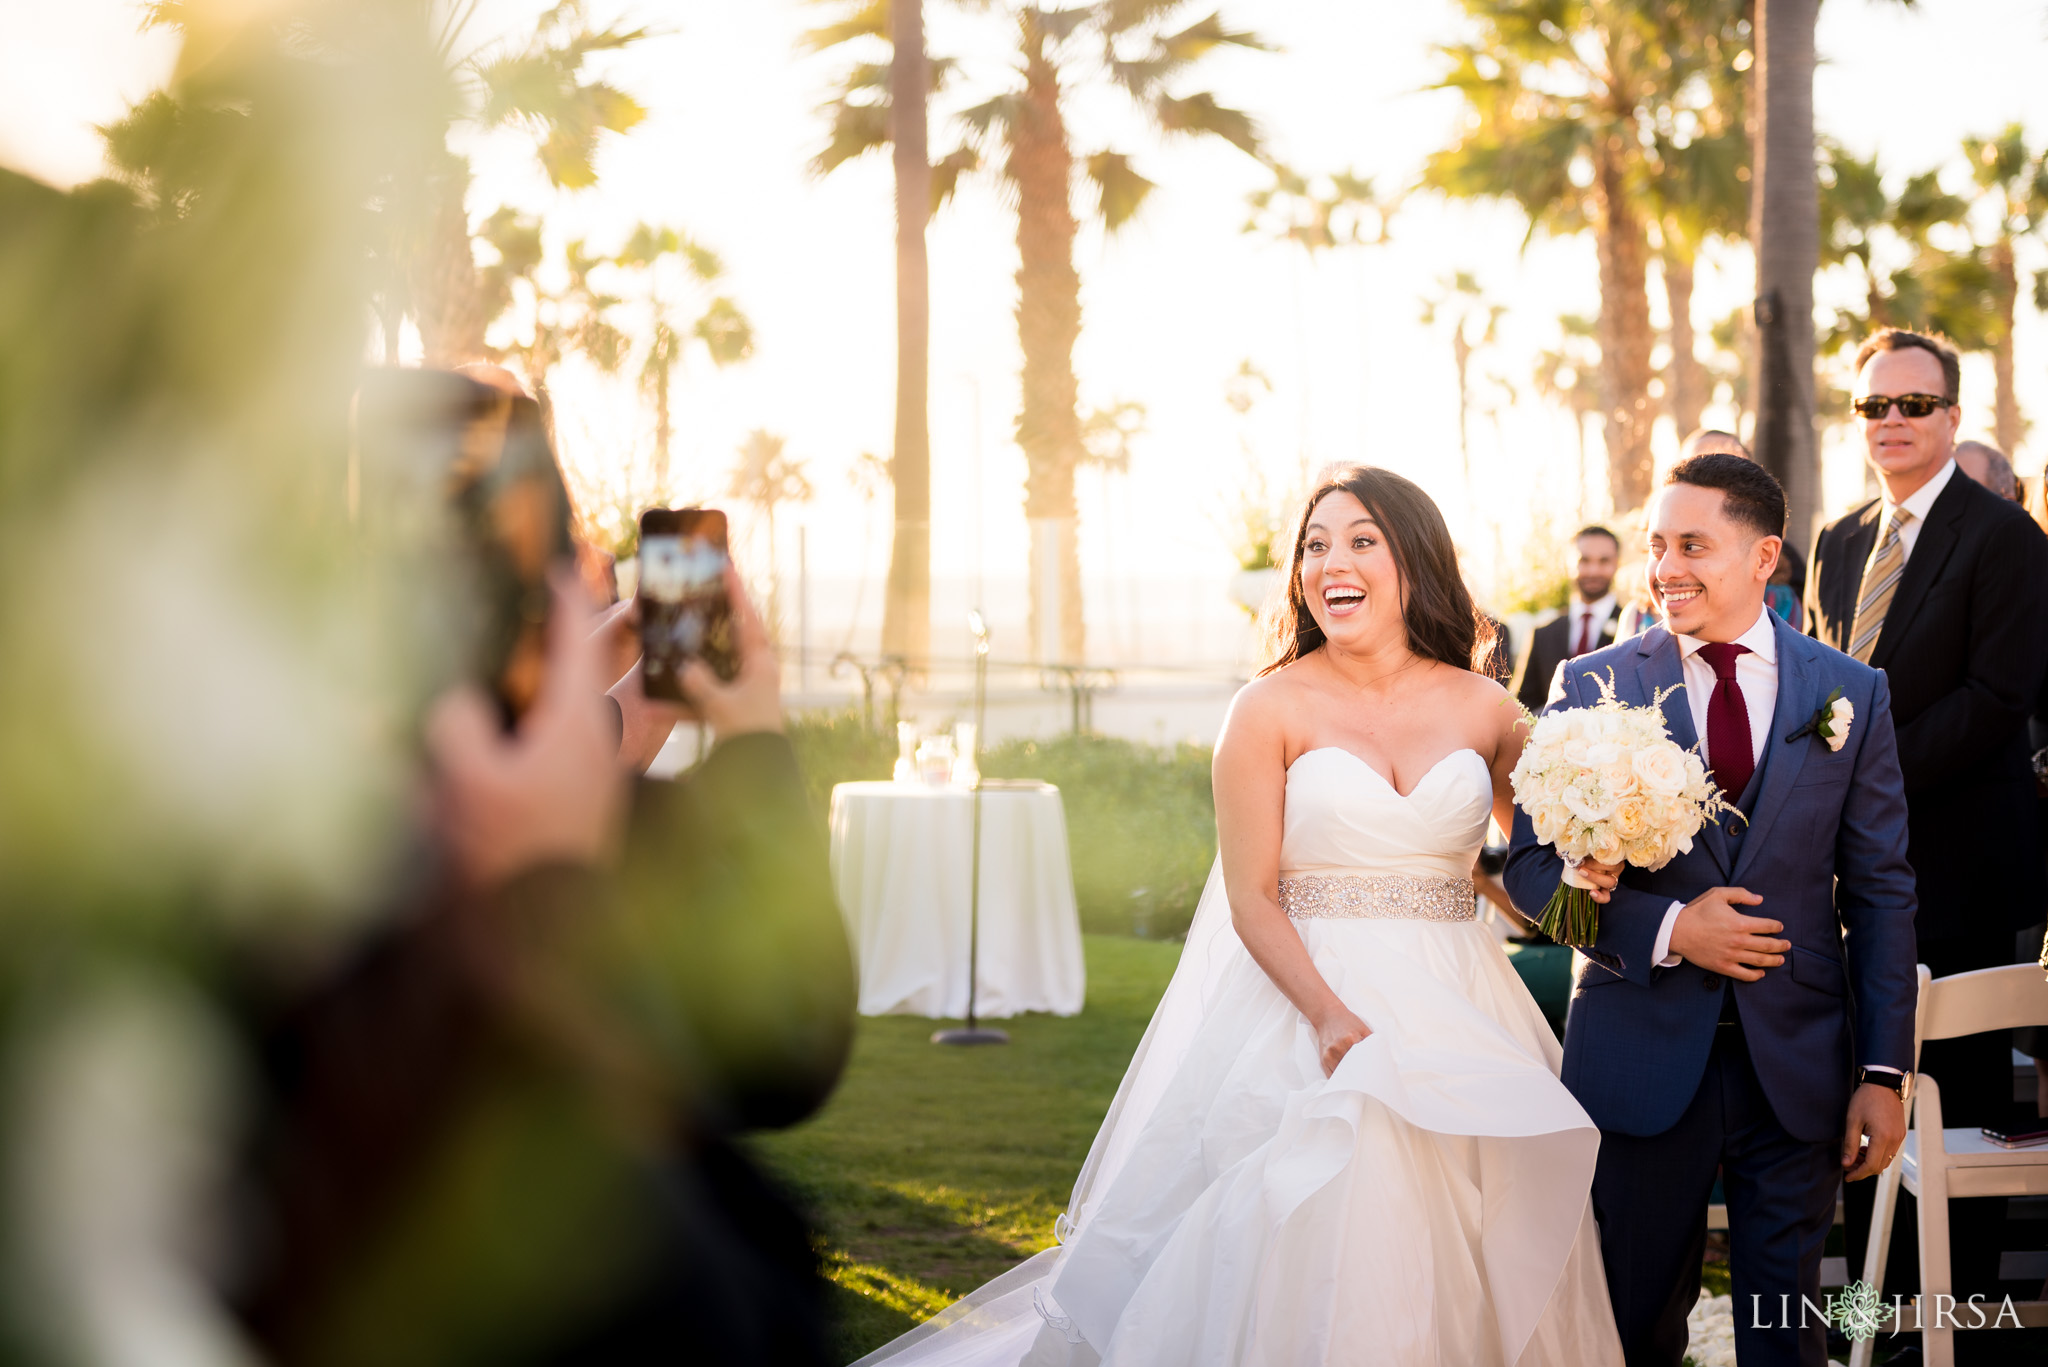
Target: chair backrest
(1987, 999)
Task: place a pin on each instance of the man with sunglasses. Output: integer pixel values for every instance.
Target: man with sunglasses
(1944, 586)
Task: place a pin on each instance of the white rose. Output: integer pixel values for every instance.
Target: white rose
(1661, 769)
(1602, 753)
(1605, 848)
(1574, 751)
(1841, 714)
(1587, 806)
(1631, 822)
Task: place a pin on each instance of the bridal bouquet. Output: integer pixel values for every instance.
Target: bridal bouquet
(1608, 783)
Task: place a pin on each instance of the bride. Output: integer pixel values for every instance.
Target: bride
(1342, 1139)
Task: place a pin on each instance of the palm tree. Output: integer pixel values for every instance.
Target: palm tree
(540, 86)
(1474, 324)
(768, 478)
(725, 332)
(1567, 102)
(1132, 48)
(2014, 181)
(1784, 230)
(878, 103)
(1563, 376)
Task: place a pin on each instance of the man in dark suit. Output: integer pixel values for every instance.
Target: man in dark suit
(1586, 624)
(1944, 586)
(1747, 1007)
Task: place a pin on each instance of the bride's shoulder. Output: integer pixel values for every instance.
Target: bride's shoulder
(1492, 708)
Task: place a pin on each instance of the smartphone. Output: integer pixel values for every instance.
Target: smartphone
(685, 612)
(463, 512)
(2018, 1138)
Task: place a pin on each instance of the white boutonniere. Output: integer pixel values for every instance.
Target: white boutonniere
(1830, 723)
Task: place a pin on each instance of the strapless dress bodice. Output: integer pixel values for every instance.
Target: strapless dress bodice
(1343, 817)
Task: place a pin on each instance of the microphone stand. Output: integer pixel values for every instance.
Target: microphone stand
(974, 1034)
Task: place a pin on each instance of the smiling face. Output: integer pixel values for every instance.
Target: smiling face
(1906, 452)
(1710, 569)
(1349, 577)
(1594, 558)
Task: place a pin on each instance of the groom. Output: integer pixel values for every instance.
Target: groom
(1750, 1005)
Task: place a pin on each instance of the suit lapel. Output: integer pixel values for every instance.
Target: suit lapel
(1858, 540)
(1930, 552)
(1798, 698)
(1657, 668)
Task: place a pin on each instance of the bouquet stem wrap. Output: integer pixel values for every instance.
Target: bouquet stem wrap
(1571, 916)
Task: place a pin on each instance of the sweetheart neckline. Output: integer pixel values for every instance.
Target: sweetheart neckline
(1368, 766)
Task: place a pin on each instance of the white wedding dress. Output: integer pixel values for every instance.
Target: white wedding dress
(1425, 1205)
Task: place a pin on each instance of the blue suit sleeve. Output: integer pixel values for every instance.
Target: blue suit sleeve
(1630, 920)
(1874, 894)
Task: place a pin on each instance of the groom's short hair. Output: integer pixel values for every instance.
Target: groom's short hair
(1753, 495)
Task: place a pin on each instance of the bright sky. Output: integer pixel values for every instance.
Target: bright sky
(1172, 306)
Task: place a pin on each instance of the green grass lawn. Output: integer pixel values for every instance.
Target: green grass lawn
(934, 1169)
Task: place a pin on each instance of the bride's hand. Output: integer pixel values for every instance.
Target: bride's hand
(1603, 877)
(1335, 1036)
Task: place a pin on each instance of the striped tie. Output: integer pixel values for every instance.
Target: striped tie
(1880, 582)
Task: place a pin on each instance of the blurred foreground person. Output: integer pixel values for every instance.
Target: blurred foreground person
(502, 1133)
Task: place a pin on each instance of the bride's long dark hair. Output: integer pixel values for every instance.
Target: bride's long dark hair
(1436, 607)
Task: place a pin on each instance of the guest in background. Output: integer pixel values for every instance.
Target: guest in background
(1586, 624)
(1710, 441)
(1986, 464)
(1944, 586)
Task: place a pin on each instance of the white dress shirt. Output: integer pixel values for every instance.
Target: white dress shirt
(1757, 675)
(1596, 613)
(1919, 504)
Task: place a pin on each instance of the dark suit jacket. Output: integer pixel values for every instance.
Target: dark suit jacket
(1965, 646)
(1550, 645)
(1822, 848)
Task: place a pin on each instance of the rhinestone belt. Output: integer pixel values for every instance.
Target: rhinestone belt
(1390, 897)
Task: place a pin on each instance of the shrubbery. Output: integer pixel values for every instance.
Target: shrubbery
(1141, 825)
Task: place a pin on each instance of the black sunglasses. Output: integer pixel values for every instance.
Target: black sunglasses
(1910, 405)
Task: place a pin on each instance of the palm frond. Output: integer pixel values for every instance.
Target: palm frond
(857, 129)
(946, 173)
(1203, 114)
(870, 19)
(725, 331)
(1120, 190)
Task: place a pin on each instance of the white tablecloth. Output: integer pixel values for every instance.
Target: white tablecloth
(901, 858)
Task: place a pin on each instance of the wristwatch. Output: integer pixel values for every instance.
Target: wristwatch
(1894, 1083)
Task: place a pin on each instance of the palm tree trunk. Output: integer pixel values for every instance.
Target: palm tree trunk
(447, 303)
(1461, 355)
(1688, 384)
(1048, 324)
(2005, 421)
(906, 611)
(1624, 331)
(1784, 229)
(664, 428)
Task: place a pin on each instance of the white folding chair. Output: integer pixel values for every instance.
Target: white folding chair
(1939, 1165)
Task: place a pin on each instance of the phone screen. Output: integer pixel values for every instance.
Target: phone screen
(685, 613)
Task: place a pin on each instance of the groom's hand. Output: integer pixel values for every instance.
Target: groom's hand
(1875, 1111)
(1712, 934)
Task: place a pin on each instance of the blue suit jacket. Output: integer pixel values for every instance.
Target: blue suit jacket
(1826, 850)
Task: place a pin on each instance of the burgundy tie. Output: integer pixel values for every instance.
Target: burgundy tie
(1728, 747)
(1585, 634)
